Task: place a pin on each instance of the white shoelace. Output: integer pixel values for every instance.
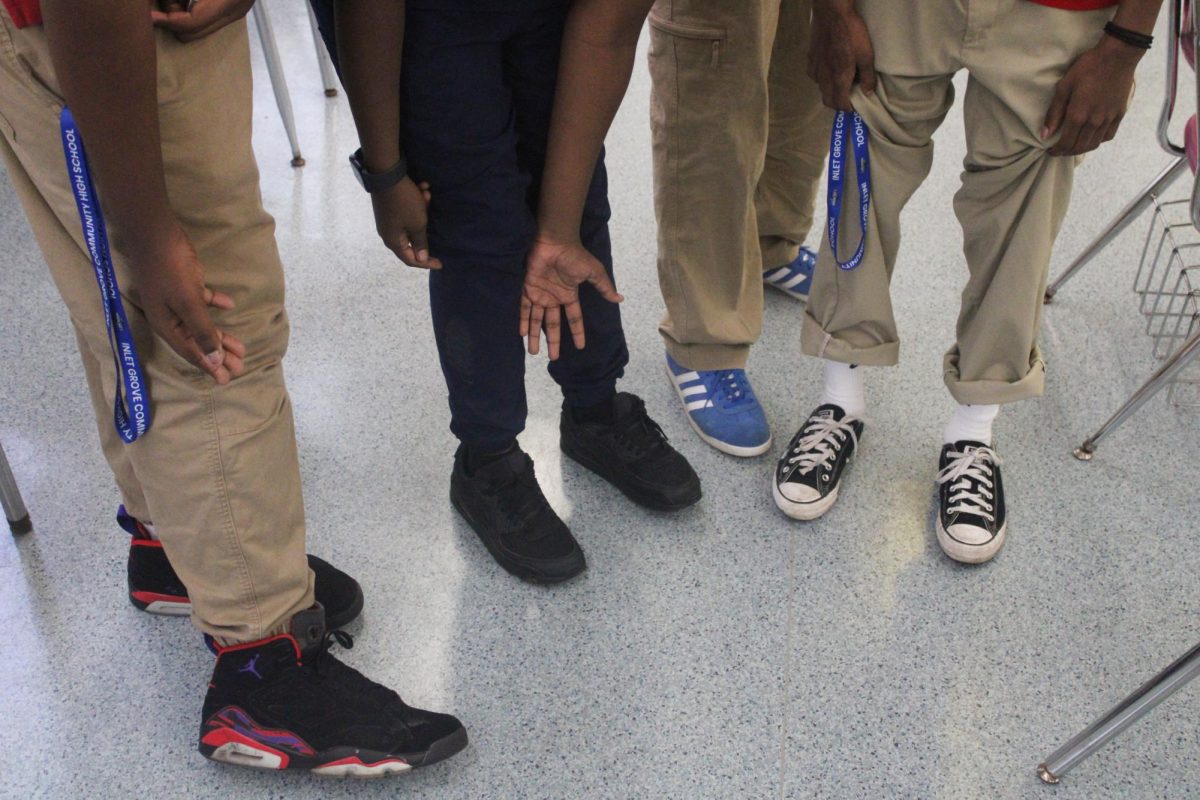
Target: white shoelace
(823, 437)
(970, 477)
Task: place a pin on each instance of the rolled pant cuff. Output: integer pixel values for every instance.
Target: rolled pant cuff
(708, 356)
(995, 392)
(815, 341)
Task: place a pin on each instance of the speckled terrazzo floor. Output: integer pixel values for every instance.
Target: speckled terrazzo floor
(718, 653)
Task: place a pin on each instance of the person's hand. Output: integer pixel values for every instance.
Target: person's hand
(841, 53)
(401, 214)
(553, 273)
(176, 301)
(205, 16)
(1091, 99)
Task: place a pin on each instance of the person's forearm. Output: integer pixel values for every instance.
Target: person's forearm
(104, 56)
(370, 34)
(599, 46)
(1138, 15)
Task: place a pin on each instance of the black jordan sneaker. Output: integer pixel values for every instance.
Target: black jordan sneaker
(972, 520)
(156, 589)
(504, 505)
(633, 454)
(287, 703)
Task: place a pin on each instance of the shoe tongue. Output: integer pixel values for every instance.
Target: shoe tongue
(969, 445)
(830, 411)
(625, 404)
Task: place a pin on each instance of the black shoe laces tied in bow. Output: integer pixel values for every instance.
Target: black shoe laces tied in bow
(640, 433)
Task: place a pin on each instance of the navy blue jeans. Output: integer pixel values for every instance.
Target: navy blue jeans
(477, 93)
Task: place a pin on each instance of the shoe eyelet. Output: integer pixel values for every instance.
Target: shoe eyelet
(825, 477)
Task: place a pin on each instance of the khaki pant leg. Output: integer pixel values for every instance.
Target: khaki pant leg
(708, 115)
(797, 142)
(849, 313)
(1013, 197)
(218, 470)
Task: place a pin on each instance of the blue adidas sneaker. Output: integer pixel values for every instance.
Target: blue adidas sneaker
(722, 408)
(794, 279)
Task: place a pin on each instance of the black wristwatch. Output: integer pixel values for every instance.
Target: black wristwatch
(377, 181)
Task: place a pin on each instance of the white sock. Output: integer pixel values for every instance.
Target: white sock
(973, 423)
(844, 387)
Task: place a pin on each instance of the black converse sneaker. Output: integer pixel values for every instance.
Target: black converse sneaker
(971, 519)
(156, 589)
(504, 505)
(810, 470)
(633, 454)
(287, 703)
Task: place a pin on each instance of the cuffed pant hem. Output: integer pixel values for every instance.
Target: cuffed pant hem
(815, 341)
(995, 392)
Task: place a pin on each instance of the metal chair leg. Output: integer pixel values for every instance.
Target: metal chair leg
(328, 75)
(1162, 377)
(10, 498)
(266, 35)
(1119, 223)
(1127, 712)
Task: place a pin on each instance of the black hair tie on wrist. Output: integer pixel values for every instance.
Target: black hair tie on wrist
(1141, 41)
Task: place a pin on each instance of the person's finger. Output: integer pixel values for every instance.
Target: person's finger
(234, 364)
(535, 329)
(420, 243)
(1072, 127)
(218, 299)
(1057, 110)
(1091, 138)
(198, 325)
(526, 306)
(575, 323)
(553, 326)
(1113, 128)
(232, 344)
(171, 328)
(841, 92)
(604, 285)
(866, 72)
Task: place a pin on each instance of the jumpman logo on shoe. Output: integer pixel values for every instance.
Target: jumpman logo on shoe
(251, 666)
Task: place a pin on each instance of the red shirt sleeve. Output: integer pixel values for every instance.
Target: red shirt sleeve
(24, 12)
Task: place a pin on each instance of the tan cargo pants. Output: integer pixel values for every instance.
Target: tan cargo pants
(217, 473)
(740, 139)
(1013, 196)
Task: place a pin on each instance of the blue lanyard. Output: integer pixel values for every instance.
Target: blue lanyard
(131, 408)
(837, 180)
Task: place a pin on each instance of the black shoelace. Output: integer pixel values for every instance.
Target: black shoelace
(520, 500)
(326, 666)
(641, 434)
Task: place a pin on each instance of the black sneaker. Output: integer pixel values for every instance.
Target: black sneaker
(286, 703)
(971, 519)
(504, 505)
(156, 589)
(809, 472)
(632, 453)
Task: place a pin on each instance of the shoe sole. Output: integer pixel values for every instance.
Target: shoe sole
(969, 553)
(806, 512)
(724, 447)
(227, 746)
(634, 493)
(163, 605)
(521, 571)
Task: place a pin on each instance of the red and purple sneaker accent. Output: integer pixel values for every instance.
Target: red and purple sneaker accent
(153, 585)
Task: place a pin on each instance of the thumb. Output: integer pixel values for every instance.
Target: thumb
(1058, 109)
(198, 326)
(866, 72)
(604, 285)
